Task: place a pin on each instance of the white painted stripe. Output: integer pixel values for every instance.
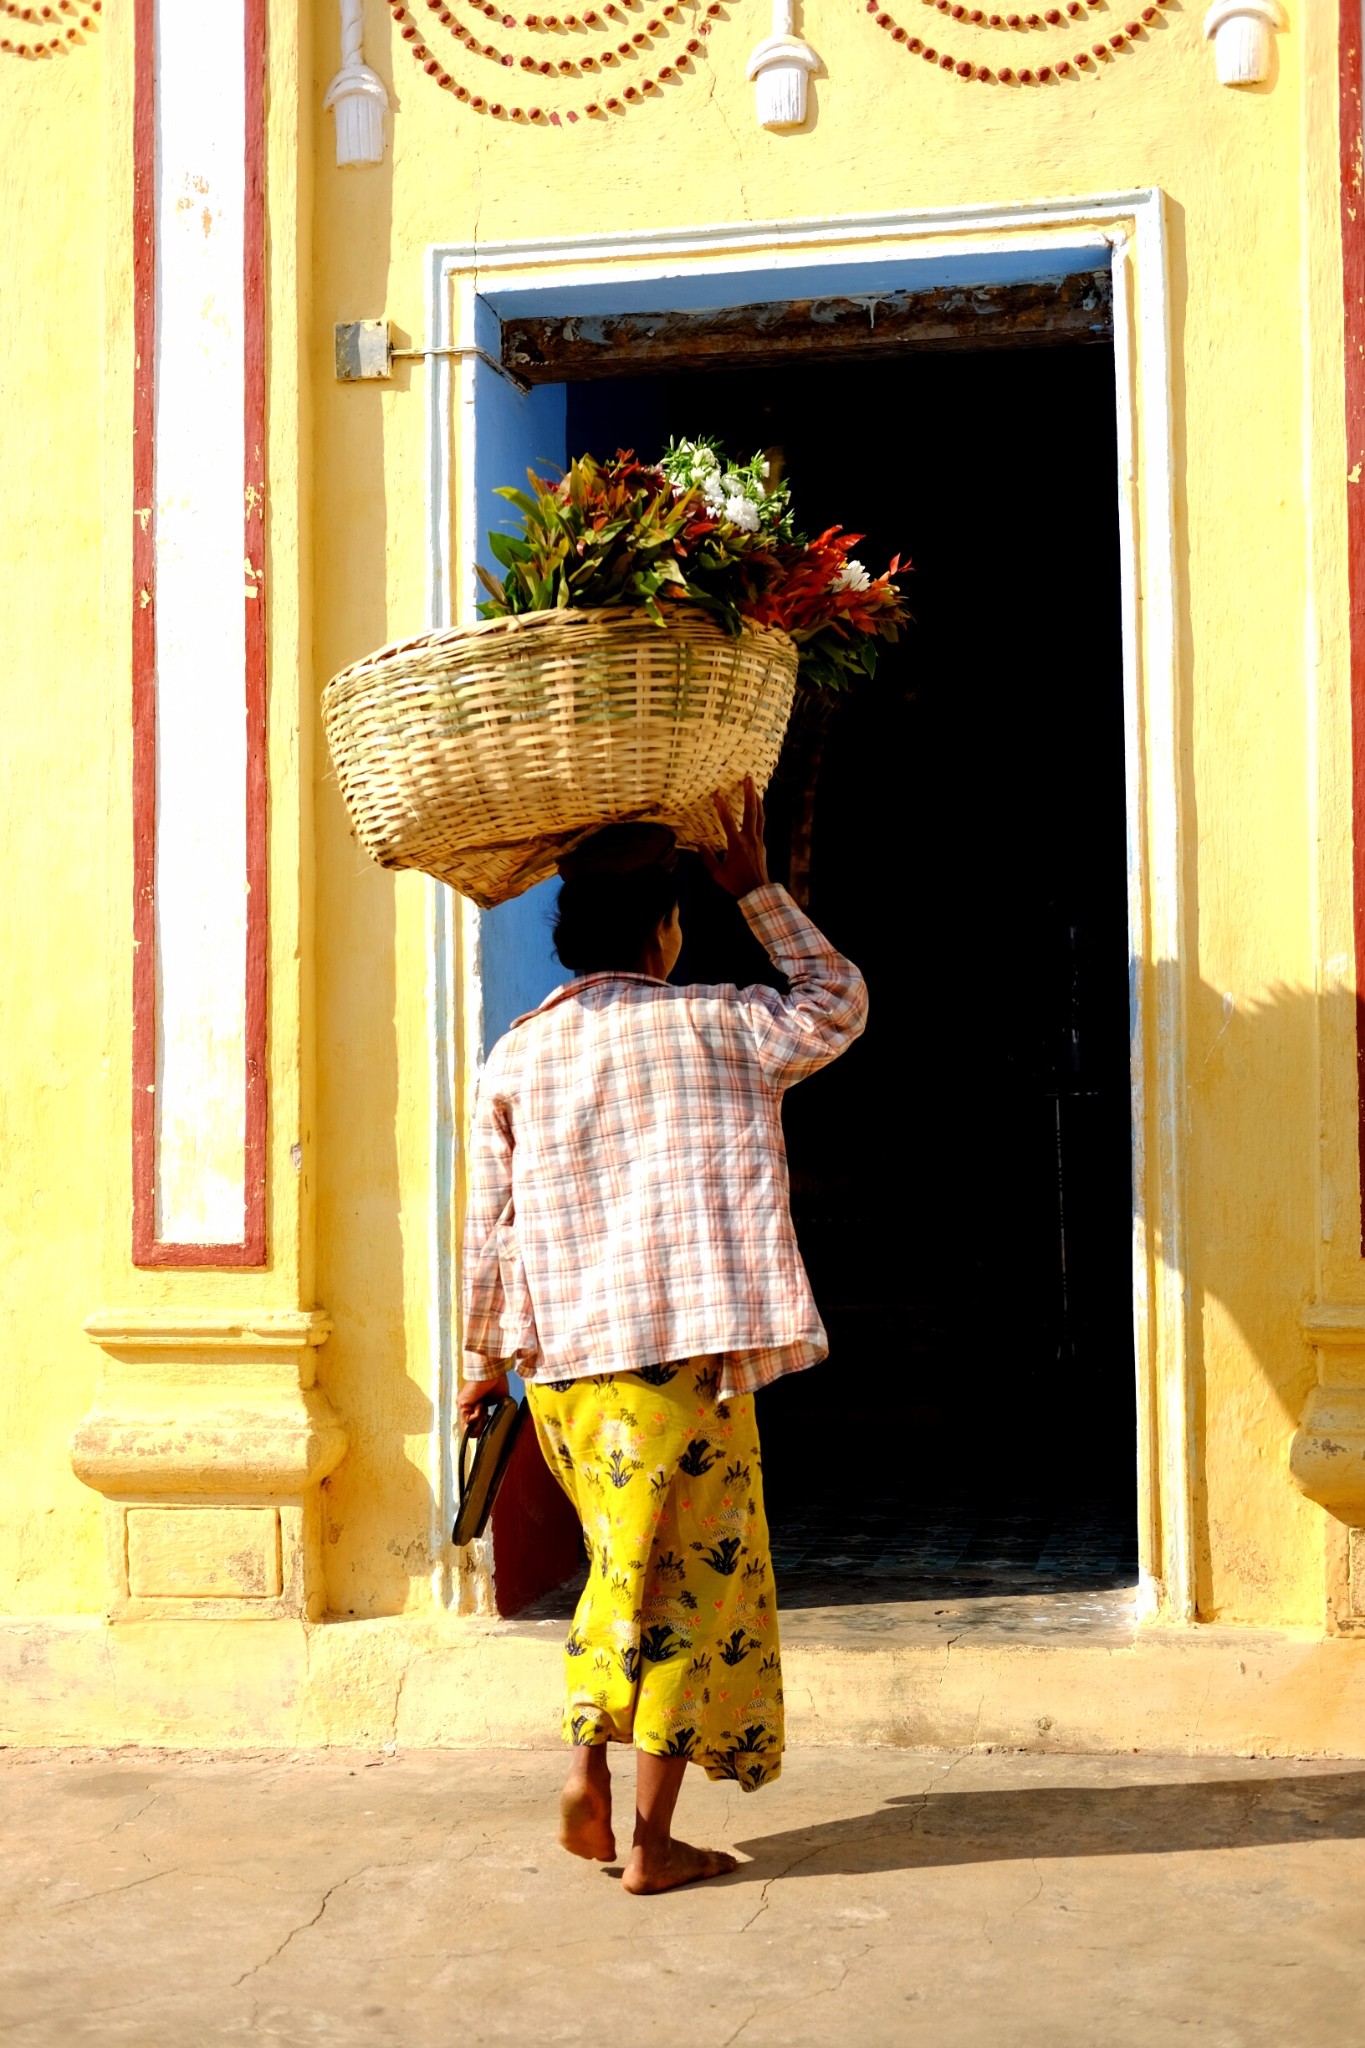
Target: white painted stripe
(1164, 1196)
(201, 875)
(1149, 1528)
(796, 241)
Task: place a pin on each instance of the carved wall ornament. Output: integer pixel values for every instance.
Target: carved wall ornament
(780, 67)
(1240, 31)
(357, 96)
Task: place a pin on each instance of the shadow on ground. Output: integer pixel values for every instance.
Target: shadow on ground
(928, 1830)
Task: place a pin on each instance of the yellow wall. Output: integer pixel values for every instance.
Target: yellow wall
(1255, 268)
(63, 817)
(65, 1167)
(890, 133)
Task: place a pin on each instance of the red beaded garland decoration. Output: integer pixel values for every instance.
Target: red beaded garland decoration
(78, 21)
(978, 18)
(1093, 59)
(552, 23)
(478, 103)
(564, 67)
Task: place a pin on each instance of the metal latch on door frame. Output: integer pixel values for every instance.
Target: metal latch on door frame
(364, 353)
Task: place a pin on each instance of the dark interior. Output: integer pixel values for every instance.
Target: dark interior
(961, 1179)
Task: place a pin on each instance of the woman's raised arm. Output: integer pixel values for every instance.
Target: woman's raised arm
(825, 1008)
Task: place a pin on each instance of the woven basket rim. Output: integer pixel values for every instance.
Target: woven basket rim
(690, 619)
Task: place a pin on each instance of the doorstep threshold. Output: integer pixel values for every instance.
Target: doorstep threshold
(967, 1615)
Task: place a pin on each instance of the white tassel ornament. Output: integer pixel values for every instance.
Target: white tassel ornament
(780, 68)
(1240, 31)
(357, 96)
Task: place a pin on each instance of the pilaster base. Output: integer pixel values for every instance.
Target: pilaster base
(1327, 1450)
(209, 1440)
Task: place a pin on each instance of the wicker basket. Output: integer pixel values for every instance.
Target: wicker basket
(483, 753)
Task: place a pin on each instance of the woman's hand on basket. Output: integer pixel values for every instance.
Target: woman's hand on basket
(470, 1399)
(744, 864)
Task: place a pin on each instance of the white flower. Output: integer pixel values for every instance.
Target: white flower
(853, 576)
(741, 513)
(697, 465)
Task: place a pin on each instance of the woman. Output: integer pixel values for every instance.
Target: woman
(629, 1251)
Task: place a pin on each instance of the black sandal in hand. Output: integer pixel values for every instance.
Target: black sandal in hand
(479, 1477)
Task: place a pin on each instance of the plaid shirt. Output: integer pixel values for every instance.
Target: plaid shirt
(628, 1198)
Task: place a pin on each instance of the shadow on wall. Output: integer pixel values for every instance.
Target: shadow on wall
(1256, 1204)
(1259, 1191)
(927, 1831)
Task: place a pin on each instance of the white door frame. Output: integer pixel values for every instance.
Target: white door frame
(1128, 229)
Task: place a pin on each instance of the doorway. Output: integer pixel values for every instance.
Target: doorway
(961, 1179)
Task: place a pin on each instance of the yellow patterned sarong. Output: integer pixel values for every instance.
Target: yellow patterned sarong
(674, 1642)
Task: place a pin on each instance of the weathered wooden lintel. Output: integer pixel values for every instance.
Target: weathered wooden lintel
(560, 349)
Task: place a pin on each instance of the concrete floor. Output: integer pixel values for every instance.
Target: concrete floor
(926, 1900)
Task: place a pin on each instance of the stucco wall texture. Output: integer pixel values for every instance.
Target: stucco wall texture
(1261, 602)
(65, 766)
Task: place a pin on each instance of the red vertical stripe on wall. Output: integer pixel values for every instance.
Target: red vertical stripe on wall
(257, 1094)
(148, 1249)
(1353, 265)
(144, 634)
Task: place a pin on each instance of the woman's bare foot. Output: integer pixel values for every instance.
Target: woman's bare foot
(663, 1866)
(585, 1826)
(585, 1807)
(657, 1862)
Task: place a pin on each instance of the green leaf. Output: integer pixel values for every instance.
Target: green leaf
(507, 550)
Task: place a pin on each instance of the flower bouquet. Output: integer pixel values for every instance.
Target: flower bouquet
(641, 650)
(696, 531)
